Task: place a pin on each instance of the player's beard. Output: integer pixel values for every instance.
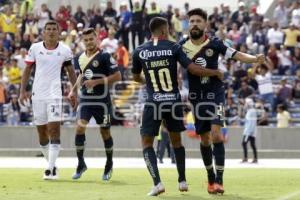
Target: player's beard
(195, 35)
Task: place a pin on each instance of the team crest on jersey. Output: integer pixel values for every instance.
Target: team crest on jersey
(95, 63)
(112, 61)
(58, 54)
(88, 74)
(201, 61)
(209, 52)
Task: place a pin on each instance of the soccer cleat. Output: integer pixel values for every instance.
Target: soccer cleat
(47, 175)
(211, 188)
(79, 171)
(183, 186)
(244, 160)
(219, 188)
(50, 175)
(255, 161)
(157, 190)
(54, 173)
(107, 172)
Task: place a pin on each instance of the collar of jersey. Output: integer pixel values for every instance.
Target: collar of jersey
(98, 50)
(159, 38)
(52, 48)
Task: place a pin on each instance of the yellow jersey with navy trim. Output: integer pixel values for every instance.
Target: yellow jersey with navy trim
(206, 55)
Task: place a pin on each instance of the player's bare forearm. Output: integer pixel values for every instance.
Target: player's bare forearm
(201, 71)
(75, 86)
(25, 77)
(247, 58)
(110, 79)
(71, 74)
(139, 78)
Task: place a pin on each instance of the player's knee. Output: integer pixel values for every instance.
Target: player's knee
(105, 133)
(206, 139)
(80, 130)
(147, 142)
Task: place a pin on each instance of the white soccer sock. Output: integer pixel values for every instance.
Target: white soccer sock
(45, 150)
(53, 154)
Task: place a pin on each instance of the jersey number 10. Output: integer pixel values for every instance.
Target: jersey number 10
(164, 79)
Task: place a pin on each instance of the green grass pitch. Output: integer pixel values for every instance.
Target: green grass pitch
(134, 184)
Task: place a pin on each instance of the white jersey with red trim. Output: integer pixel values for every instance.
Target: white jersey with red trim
(49, 62)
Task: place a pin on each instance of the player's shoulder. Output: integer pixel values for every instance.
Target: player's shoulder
(64, 47)
(183, 40)
(37, 45)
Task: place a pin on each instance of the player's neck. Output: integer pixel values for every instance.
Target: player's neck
(50, 44)
(198, 41)
(91, 52)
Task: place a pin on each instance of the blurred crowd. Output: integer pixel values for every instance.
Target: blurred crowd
(275, 86)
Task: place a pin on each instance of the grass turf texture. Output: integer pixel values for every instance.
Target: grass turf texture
(134, 184)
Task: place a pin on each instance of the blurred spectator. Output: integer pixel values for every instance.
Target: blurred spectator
(263, 111)
(273, 56)
(241, 15)
(250, 129)
(239, 75)
(8, 21)
(296, 60)
(291, 35)
(153, 11)
(110, 44)
(285, 60)
(284, 93)
(97, 19)
(62, 17)
(246, 91)
(215, 19)
(124, 23)
(231, 113)
(13, 111)
(251, 79)
(26, 7)
(296, 86)
(295, 18)
(80, 16)
(176, 24)
(137, 21)
(2, 100)
(283, 117)
(43, 15)
(234, 34)
(26, 41)
(122, 60)
(110, 14)
(275, 36)
(30, 25)
(263, 77)
(281, 14)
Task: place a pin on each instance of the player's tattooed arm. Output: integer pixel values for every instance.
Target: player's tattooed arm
(201, 71)
(247, 58)
(106, 80)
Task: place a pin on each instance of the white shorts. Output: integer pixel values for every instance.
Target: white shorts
(45, 111)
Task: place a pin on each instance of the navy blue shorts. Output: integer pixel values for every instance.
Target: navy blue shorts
(153, 116)
(208, 111)
(100, 111)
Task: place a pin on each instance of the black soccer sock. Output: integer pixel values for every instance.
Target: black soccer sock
(108, 144)
(206, 152)
(219, 153)
(151, 162)
(80, 143)
(180, 162)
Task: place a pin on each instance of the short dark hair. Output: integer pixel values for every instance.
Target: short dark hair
(88, 31)
(156, 23)
(51, 22)
(199, 12)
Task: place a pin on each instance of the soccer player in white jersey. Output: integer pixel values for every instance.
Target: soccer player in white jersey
(50, 57)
